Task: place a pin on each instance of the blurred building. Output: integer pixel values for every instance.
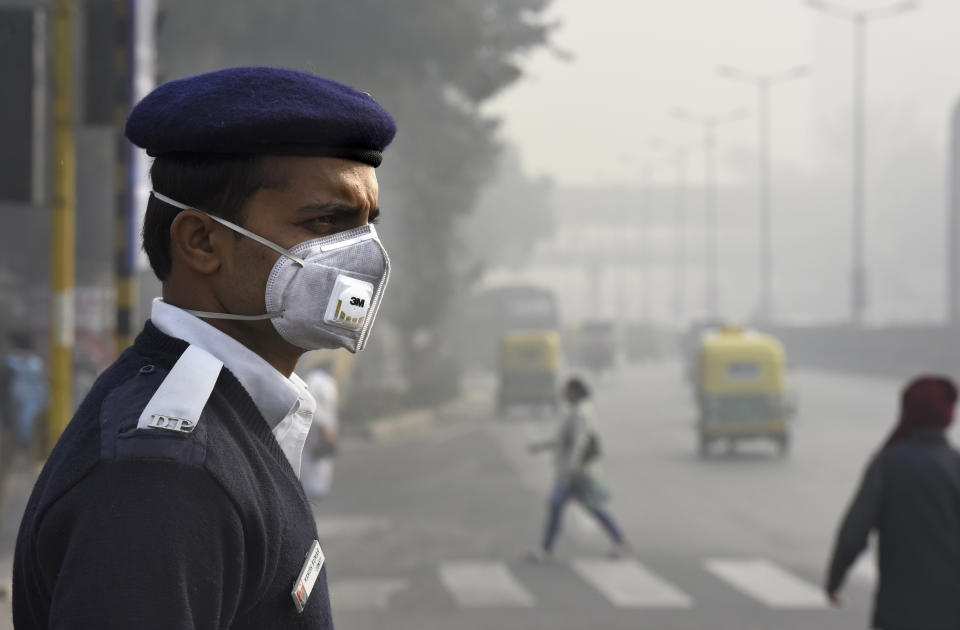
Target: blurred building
(102, 89)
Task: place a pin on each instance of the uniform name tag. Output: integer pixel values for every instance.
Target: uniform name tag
(308, 576)
(180, 425)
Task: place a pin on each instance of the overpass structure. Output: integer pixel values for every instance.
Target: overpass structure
(616, 271)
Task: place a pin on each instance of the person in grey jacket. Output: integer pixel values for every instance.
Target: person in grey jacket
(910, 496)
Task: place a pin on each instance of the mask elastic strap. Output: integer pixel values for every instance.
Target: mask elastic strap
(245, 318)
(232, 226)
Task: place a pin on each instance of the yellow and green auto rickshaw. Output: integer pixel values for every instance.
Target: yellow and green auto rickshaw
(742, 389)
(530, 362)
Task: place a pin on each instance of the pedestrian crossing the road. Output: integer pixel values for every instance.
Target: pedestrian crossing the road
(623, 583)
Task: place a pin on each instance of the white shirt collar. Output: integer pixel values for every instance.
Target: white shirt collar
(274, 394)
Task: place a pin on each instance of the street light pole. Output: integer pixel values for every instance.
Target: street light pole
(763, 83)
(62, 224)
(677, 154)
(710, 192)
(860, 19)
(859, 266)
(646, 174)
(680, 228)
(646, 222)
(766, 212)
(709, 124)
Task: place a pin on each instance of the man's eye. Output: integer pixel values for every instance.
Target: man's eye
(322, 221)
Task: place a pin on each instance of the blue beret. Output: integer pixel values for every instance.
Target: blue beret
(261, 111)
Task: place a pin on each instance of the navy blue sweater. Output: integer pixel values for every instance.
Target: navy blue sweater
(140, 528)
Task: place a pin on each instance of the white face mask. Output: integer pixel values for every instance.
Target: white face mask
(322, 293)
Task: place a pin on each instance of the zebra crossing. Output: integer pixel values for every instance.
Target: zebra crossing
(484, 584)
(625, 583)
(768, 583)
(628, 584)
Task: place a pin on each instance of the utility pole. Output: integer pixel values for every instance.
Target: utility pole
(135, 23)
(677, 154)
(709, 125)
(763, 83)
(62, 223)
(125, 253)
(646, 259)
(860, 20)
(953, 221)
(680, 219)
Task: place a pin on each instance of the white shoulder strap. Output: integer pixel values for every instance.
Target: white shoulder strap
(181, 397)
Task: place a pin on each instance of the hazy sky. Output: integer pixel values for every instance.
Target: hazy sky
(589, 122)
(590, 119)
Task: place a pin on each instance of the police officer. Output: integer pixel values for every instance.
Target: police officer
(172, 500)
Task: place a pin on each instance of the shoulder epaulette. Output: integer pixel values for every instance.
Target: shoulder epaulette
(180, 399)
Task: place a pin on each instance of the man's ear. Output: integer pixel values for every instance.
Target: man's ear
(197, 241)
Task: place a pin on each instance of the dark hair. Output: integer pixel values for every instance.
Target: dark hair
(578, 388)
(218, 184)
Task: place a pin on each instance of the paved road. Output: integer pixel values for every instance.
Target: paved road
(430, 531)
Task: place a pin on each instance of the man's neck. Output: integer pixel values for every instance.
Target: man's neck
(258, 336)
(264, 343)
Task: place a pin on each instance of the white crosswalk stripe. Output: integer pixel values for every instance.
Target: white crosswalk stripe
(372, 594)
(767, 583)
(484, 585)
(628, 584)
(624, 583)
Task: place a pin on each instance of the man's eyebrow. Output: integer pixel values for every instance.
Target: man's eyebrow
(337, 207)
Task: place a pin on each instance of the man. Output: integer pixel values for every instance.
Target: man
(172, 499)
(910, 496)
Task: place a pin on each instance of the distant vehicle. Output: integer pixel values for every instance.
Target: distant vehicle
(489, 315)
(529, 366)
(643, 342)
(596, 344)
(741, 389)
